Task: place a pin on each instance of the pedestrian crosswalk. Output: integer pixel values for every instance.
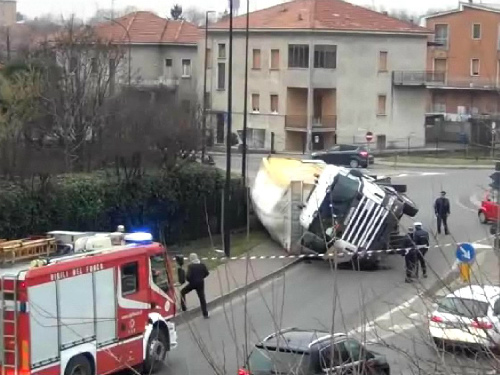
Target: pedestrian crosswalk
(401, 173)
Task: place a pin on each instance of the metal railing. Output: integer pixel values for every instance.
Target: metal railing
(418, 78)
(300, 121)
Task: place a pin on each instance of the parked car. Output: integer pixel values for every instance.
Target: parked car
(469, 317)
(309, 352)
(354, 156)
(488, 212)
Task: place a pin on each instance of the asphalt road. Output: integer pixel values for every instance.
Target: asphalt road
(315, 296)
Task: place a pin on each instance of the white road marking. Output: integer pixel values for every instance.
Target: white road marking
(432, 174)
(459, 204)
(402, 175)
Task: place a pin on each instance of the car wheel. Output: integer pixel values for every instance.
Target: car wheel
(409, 207)
(354, 163)
(482, 217)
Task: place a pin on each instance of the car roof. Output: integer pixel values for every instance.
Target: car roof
(483, 293)
(296, 339)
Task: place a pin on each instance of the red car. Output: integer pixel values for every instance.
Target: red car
(488, 212)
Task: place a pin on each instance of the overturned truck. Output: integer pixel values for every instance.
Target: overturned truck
(314, 208)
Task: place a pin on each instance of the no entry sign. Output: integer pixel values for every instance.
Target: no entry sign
(369, 136)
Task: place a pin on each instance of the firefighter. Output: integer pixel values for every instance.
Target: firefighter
(196, 274)
(410, 256)
(421, 240)
(442, 211)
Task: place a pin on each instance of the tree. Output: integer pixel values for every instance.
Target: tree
(176, 12)
(20, 16)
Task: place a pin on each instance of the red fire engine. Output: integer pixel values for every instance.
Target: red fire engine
(104, 306)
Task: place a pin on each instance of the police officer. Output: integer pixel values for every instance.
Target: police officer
(442, 211)
(421, 240)
(410, 256)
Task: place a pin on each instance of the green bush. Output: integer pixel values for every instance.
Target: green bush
(177, 204)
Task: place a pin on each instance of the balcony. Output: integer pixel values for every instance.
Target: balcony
(418, 79)
(161, 82)
(468, 83)
(298, 123)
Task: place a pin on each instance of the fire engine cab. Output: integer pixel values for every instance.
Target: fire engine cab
(103, 306)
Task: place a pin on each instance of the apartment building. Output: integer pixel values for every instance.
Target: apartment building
(8, 13)
(466, 56)
(326, 67)
(163, 52)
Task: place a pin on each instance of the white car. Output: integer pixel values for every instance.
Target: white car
(468, 316)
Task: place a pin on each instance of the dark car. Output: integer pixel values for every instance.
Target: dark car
(352, 155)
(309, 352)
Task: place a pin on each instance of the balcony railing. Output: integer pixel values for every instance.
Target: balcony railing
(421, 78)
(472, 83)
(299, 122)
(170, 83)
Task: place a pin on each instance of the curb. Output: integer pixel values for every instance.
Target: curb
(189, 315)
(433, 166)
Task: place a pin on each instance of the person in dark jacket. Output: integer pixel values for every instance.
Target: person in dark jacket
(421, 240)
(442, 210)
(410, 256)
(196, 274)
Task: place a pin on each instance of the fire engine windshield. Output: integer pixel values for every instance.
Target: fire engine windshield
(159, 272)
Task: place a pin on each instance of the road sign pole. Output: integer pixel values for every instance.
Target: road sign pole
(464, 272)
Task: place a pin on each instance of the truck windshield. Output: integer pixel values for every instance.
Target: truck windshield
(344, 190)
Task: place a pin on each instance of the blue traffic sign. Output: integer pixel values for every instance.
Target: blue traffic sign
(466, 253)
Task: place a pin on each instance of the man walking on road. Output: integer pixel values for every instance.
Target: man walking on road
(442, 210)
(410, 256)
(421, 240)
(196, 274)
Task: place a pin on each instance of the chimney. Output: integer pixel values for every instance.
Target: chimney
(8, 13)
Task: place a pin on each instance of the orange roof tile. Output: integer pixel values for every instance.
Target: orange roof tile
(148, 28)
(322, 15)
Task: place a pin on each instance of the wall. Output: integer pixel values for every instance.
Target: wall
(484, 101)
(356, 80)
(8, 13)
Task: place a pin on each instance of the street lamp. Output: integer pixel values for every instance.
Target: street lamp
(204, 123)
(129, 45)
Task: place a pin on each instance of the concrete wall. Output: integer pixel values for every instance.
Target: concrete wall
(356, 80)
(8, 12)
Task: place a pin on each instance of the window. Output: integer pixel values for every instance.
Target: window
(209, 58)
(94, 67)
(259, 361)
(331, 358)
(441, 35)
(355, 350)
(168, 63)
(298, 56)
(256, 59)
(159, 272)
(381, 105)
(221, 76)
(130, 278)
(274, 103)
(467, 308)
(255, 103)
(168, 68)
(476, 31)
(474, 67)
(382, 61)
(222, 51)
(186, 68)
(325, 56)
(275, 59)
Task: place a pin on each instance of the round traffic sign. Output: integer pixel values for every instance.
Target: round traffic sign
(369, 136)
(466, 253)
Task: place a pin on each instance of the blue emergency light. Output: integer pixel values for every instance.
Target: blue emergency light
(138, 238)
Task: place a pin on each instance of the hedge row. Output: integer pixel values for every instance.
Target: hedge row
(176, 204)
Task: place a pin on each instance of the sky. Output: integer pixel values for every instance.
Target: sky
(86, 8)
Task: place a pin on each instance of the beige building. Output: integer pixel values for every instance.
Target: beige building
(320, 72)
(8, 13)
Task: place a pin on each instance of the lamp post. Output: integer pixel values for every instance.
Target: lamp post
(205, 68)
(129, 46)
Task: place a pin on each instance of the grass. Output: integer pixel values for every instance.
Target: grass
(240, 245)
(438, 159)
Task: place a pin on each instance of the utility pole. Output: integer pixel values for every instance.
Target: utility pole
(227, 219)
(495, 185)
(8, 43)
(245, 102)
(205, 68)
(310, 98)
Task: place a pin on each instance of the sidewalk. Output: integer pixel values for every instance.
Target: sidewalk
(231, 278)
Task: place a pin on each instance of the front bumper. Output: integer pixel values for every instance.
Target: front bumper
(173, 334)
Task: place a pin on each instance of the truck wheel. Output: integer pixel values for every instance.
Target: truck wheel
(482, 217)
(409, 207)
(79, 365)
(156, 351)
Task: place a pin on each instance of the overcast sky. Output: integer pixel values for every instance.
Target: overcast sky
(86, 8)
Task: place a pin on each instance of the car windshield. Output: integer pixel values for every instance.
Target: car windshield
(467, 308)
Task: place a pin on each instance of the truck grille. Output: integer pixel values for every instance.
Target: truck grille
(364, 224)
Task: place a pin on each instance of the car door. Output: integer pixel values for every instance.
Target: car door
(332, 156)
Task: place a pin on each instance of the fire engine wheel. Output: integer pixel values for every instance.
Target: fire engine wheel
(79, 365)
(482, 218)
(156, 351)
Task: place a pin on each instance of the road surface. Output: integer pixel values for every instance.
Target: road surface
(314, 296)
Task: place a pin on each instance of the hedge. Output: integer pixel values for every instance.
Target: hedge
(176, 204)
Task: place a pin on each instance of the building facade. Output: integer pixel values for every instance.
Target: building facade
(315, 80)
(466, 52)
(8, 13)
